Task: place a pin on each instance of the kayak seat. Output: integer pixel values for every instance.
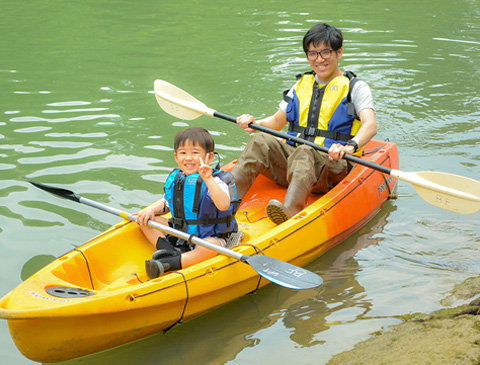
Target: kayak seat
(234, 239)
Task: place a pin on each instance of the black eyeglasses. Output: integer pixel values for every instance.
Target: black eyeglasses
(324, 53)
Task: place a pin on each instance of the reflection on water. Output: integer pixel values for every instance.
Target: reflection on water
(77, 111)
(274, 316)
(35, 264)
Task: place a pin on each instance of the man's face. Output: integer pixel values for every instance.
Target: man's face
(324, 61)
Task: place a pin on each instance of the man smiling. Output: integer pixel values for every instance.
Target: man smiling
(325, 106)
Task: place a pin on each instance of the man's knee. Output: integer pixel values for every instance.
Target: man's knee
(259, 141)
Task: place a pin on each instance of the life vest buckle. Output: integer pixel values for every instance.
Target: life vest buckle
(310, 132)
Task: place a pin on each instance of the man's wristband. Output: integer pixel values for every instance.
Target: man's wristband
(351, 142)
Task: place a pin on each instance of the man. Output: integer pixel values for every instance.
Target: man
(326, 106)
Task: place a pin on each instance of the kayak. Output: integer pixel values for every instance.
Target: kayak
(98, 296)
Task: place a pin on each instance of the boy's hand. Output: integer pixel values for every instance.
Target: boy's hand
(204, 170)
(145, 216)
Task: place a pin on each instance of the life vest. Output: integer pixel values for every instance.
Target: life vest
(323, 114)
(193, 210)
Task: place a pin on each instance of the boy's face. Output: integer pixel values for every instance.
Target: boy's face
(188, 157)
(326, 69)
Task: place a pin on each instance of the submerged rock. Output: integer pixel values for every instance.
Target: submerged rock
(447, 336)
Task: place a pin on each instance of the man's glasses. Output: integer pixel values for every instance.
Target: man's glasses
(324, 53)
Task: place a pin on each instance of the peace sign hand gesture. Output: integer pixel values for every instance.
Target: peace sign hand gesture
(204, 170)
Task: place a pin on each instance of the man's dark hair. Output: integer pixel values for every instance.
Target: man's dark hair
(323, 33)
(196, 135)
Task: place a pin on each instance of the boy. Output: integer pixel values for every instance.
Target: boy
(202, 202)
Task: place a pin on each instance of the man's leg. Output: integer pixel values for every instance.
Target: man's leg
(308, 170)
(264, 155)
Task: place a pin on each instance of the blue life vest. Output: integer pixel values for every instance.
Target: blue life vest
(193, 210)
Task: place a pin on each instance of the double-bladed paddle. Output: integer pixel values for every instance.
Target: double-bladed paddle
(447, 191)
(278, 272)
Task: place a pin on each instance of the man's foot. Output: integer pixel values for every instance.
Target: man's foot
(277, 212)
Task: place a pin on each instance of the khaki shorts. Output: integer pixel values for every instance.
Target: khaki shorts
(283, 163)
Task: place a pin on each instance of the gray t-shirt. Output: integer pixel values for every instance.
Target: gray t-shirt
(361, 96)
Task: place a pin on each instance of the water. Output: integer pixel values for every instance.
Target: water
(77, 111)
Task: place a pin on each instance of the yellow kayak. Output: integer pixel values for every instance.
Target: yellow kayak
(98, 295)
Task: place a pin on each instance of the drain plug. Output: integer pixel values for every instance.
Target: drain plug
(68, 292)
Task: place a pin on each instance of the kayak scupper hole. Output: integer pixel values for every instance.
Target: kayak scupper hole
(131, 297)
(301, 215)
(246, 237)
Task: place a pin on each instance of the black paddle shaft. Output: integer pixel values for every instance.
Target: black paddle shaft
(290, 138)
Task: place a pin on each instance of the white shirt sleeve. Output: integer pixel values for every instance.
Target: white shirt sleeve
(362, 97)
(283, 104)
(222, 185)
(165, 202)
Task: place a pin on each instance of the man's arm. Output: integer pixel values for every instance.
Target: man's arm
(367, 131)
(276, 121)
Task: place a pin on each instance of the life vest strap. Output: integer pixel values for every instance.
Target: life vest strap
(206, 221)
(182, 222)
(315, 132)
(198, 193)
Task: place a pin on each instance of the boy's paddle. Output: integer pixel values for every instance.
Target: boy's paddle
(278, 272)
(447, 191)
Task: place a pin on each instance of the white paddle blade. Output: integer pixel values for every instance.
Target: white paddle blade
(447, 191)
(178, 103)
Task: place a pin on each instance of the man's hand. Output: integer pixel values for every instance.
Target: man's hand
(337, 151)
(244, 121)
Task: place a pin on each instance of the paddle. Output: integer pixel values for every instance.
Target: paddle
(278, 272)
(447, 191)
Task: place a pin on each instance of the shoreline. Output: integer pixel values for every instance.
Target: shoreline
(446, 336)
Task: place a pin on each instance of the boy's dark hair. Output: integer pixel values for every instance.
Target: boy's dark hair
(323, 33)
(196, 135)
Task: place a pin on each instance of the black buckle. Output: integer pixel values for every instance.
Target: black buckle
(310, 131)
(176, 221)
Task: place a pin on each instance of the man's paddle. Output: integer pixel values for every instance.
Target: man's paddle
(447, 191)
(278, 272)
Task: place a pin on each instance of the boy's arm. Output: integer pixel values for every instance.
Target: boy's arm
(149, 214)
(160, 208)
(219, 197)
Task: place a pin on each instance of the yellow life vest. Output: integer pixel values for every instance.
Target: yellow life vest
(323, 114)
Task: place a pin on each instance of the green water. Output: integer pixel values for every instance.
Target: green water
(77, 111)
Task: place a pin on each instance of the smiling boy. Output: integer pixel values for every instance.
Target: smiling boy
(202, 202)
